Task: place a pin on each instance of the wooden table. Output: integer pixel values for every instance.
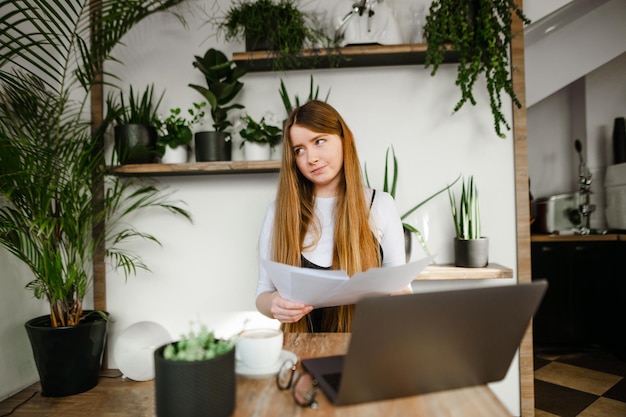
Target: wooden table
(118, 397)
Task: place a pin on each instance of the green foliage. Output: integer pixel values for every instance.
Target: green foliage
(280, 24)
(52, 169)
(141, 110)
(259, 132)
(313, 95)
(175, 130)
(198, 347)
(389, 185)
(466, 215)
(480, 31)
(222, 80)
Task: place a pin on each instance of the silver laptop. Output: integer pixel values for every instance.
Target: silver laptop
(414, 344)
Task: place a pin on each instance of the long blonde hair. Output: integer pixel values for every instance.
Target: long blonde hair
(355, 246)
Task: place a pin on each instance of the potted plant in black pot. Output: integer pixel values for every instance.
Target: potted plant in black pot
(279, 27)
(480, 32)
(471, 249)
(195, 376)
(52, 175)
(136, 123)
(222, 86)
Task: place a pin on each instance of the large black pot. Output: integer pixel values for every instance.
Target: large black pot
(195, 389)
(213, 146)
(68, 359)
(136, 143)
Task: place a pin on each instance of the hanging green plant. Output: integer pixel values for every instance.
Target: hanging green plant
(278, 26)
(480, 31)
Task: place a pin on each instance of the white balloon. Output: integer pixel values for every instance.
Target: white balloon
(135, 346)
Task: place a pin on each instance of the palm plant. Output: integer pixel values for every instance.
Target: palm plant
(52, 169)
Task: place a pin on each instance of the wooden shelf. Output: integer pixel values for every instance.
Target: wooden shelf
(448, 271)
(196, 168)
(366, 55)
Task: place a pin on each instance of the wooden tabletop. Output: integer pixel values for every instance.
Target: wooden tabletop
(115, 396)
(262, 397)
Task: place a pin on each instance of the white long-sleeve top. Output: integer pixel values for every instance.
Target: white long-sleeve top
(386, 225)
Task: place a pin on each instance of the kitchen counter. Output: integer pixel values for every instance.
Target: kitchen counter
(583, 306)
(577, 238)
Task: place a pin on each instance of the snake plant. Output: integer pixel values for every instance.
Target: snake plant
(389, 186)
(466, 215)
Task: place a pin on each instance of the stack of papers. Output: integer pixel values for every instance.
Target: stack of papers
(325, 288)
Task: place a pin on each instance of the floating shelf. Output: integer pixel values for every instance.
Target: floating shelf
(196, 168)
(366, 55)
(444, 272)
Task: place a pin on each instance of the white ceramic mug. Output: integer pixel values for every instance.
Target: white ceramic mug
(259, 348)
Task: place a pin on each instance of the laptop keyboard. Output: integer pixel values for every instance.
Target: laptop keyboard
(333, 380)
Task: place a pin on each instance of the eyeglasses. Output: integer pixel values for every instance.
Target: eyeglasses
(303, 386)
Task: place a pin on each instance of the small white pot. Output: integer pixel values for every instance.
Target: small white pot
(176, 155)
(255, 151)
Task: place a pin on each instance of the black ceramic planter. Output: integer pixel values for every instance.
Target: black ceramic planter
(68, 359)
(195, 389)
(213, 146)
(471, 253)
(136, 144)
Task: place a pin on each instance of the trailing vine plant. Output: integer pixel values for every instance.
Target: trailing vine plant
(480, 31)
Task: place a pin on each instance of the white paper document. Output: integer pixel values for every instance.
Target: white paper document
(326, 288)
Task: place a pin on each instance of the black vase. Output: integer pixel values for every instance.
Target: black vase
(68, 359)
(136, 143)
(471, 253)
(256, 44)
(619, 141)
(213, 146)
(205, 388)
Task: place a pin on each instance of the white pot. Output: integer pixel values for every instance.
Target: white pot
(176, 155)
(277, 152)
(255, 151)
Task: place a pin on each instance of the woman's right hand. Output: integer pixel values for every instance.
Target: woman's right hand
(287, 311)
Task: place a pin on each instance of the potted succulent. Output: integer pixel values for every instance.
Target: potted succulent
(471, 249)
(52, 175)
(175, 134)
(276, 26)
(136, 122)
(389, 186)
(480, 32)
(259, 138)
(195, 376)
(222, 86)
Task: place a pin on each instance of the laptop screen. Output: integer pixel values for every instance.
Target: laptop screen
(414, 344)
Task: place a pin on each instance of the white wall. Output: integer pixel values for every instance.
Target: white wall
(573, 46)
(207, 269)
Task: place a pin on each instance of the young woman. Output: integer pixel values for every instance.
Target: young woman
(324, 217)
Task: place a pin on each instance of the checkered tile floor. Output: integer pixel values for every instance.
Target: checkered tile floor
(579, 384)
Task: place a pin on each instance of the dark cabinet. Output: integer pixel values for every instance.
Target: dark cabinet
(582, 306)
